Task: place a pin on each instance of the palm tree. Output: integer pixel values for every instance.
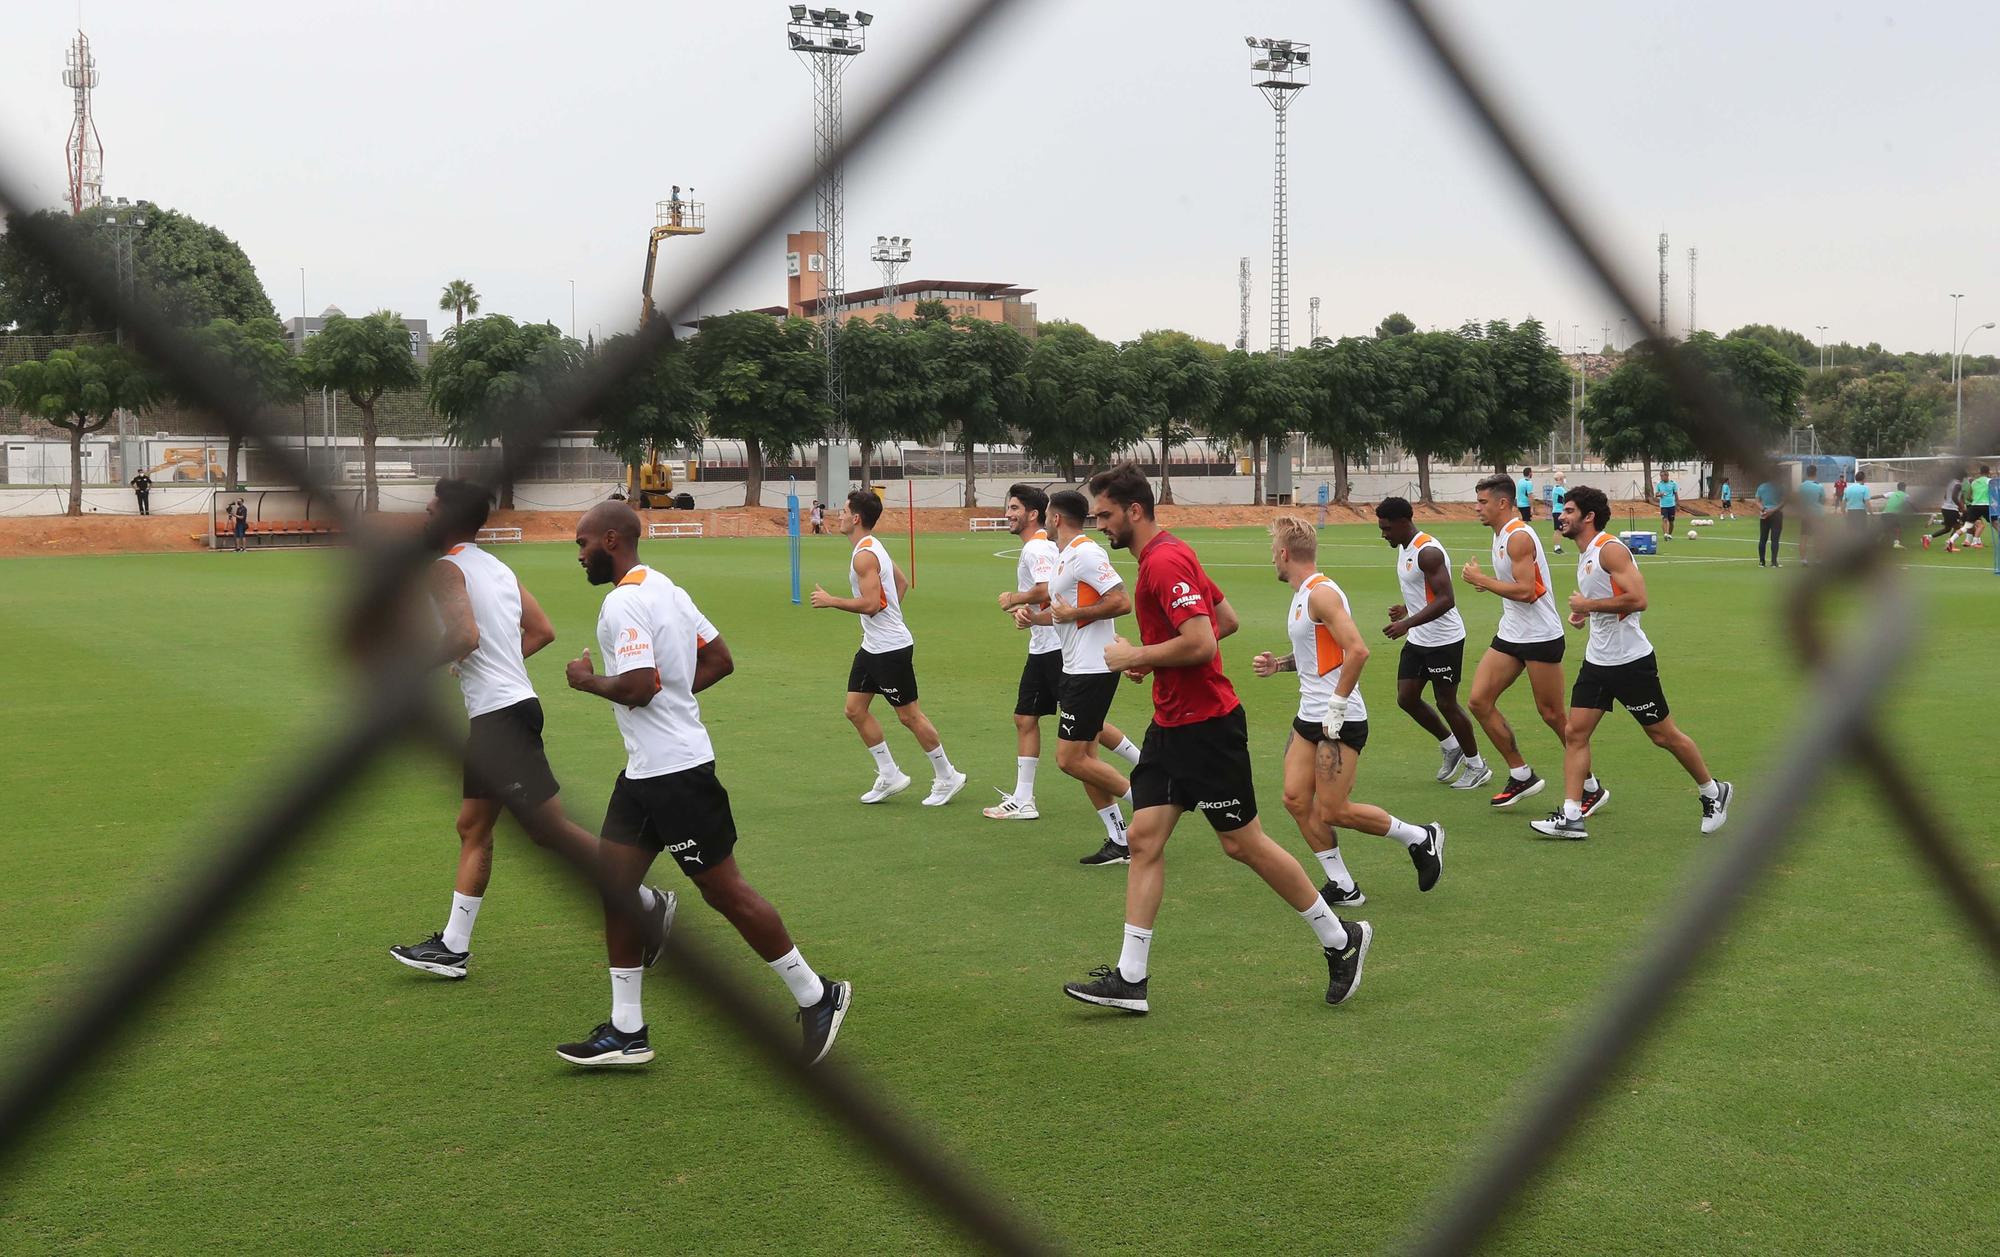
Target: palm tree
(459, 298)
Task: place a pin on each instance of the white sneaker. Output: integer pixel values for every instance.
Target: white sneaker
(893, 782)
(945, 789)
(1010, 808)
(1715, 811)
(1450, 764)
(1473, 778)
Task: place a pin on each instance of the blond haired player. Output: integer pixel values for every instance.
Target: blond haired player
(1328, 655)
(885, 664)
(1529, 638)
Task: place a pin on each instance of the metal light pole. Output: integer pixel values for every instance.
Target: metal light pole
(1958, 377)
(826, 40)
(124, 222)
(1280, 70)
(891, 253)
(1825, 350)
(1954, 331)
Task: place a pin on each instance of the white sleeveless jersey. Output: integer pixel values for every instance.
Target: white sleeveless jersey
(1038, 567)
(494, 675)
(884, 631)
(1536, 621)
(1082, 578)
(1318, 657)
(1614, 638)
(650, 622)
(1447, 628)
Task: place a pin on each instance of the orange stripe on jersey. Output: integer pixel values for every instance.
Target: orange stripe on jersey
(1039, 536)
(1419, 541)
(1315, 580)
(1513, 525)
(1086, 596)
(455, 549)
(634, 577)
(1330, 655)
(1541, 586)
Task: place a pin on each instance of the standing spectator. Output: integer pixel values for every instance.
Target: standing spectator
(1812, 501)
(240, 516)
(1854, 499)
(1524, 494)
(819, 518)
(1770, 520)
(1668, 494)
(142, 485)
(1727, 500)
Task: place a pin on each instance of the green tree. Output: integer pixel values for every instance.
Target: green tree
(1171, 383)
(764, 381)
(1437, 398)
(80, 391)
(1072, 409)
(932, 311)
(461, 299)
(1531, 389)
(363, 358)
(1796, 346)
(659, 407)
(1397, 324)
(488, 376)
(1884, 416)
(977, 367)
(1259, 398)
(890, 393)
(1633, 414)
(1343, 385)
(261, 367)
(193, 272)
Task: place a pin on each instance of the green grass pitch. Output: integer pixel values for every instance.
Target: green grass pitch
(1826, 1084)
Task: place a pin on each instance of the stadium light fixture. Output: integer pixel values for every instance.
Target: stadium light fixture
(798, 13)
(863, 17)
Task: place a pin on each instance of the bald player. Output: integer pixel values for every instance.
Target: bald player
(659, 652)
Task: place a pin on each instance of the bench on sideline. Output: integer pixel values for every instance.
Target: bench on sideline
(989, 523)
(498, 534)
(673, 530)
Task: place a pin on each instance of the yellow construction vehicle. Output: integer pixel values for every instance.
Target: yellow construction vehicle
(183, 464)
(650, 482)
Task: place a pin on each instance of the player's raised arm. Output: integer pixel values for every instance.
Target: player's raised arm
(454, 610)
(536, 631)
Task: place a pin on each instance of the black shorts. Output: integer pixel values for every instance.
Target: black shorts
(1438, 664)
(892, 674)
(1086, 701)
(1041, 685)
(1667, 513)
(685, 814)
(1550, 651)
(1527, 513)
(1353, 733)
(1635, 684)
(1202, 767)
(504, 759)
(1983, 510)
(1950, 516)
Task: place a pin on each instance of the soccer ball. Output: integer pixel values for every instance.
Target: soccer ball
(1694, 534)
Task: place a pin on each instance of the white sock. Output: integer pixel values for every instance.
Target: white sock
(1325, 924)
(625, 1012)
(1572, 809)
(1132, 957)
(940, 763)
(1024, 777)
(885, 763)
(1114, 822)
(1475, 762)
(1126, 751)
(458, 930)
(1336, 868)
(1449, 745)
(1590, 785)
(1708, 791)
(806, 986)
(1407, 834)
(1520, 774)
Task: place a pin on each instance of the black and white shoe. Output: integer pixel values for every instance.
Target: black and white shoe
(432, 956)
(1428, 856)
(1343, 966)
(1560, 826)
(822, 1020)
(608, 1045)
(1716, 810)
(659, 924)
(1109, 853)
(1109, 989)
(1594, 799)
(1337, 898)
(1514, 791)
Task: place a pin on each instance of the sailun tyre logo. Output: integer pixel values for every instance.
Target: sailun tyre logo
(1184, 595)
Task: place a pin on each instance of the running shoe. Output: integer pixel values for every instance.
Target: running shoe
(1010, 808)
(432, 956)
(1715, 811)
(1514, 791)
(608, 1045)
(888, 784)
(1343, 965)
(1108, 988)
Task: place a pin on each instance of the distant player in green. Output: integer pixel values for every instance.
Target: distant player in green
(1896, 514)
(1668, 494)
(1978, 505)
(1770, 521)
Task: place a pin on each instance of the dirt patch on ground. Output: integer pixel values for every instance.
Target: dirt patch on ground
(102, 534)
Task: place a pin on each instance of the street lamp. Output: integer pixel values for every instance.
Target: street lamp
(1824, 348)
(890, 253)
(1958, 376)
(1954, 332)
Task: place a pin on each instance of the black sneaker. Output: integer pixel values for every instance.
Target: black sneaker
(822, 1020)
(1343, 967)
(608, 1045)
(1428, 856)
(1109, 989)
(1337, 898)
(1594, 799)
(432, 956)
(1109, 853)
(1560, 826)
(1515, 791)
(659, 924)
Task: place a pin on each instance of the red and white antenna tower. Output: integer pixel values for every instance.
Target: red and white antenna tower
(84, 152)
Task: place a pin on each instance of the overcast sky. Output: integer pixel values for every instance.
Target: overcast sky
(1831, 161)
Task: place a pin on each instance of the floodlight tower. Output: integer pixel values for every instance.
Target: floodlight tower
(1313, 337)
(891, 253)
(84, 153)
(1243, 303)
(1663, 285)
(1692, 325)
(826, 40)
(1279, 69)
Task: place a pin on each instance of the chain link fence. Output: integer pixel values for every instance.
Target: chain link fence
(392, 708)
